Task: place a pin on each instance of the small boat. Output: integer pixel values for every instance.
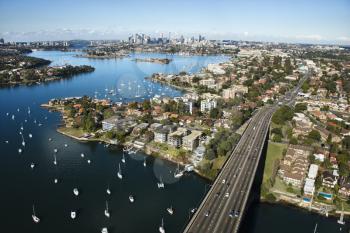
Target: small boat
(193, 210)
(120, 176)
(161, 227)
(178, 173)
(108, 191)
(76, 191)
(13, 117)
(123, 158)
(73, 214)
(54, 160)
(160, 183)
(170, 210)
(131, 199)
(107, 214)
(55, 181)
(34, 217)
(6, 141)
(23, 143)
(55, 150)
(50, 139)
(19, 150)
(89, 161)
(82, 155)
(32, 165)
(30, 135)
(65, 145)
(144, 162)
(104, 230)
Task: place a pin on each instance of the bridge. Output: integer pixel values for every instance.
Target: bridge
(223, 207)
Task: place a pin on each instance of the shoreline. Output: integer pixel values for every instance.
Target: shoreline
(61, 130)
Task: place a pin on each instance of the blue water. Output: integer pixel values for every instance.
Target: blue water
(21, 187)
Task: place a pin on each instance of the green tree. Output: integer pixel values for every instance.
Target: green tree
(314, 135)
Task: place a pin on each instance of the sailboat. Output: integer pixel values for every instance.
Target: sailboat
(120, 176)
(108, 191)
(123, 158)
(161, 227)
(73, 214)
(138, 92)
(76, 191)
(170, 210)
(54, 160)
(34, 217)
(107, 214)
(178, 173)
(160, 183)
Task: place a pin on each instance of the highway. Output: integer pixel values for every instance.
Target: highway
(223, 207)
(231, 189)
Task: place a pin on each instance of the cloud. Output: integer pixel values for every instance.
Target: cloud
(343, 38)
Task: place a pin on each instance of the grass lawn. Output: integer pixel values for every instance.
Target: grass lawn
(281, 186)
(71, 131)
(274, 152)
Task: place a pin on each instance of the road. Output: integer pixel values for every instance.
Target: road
(223, 208)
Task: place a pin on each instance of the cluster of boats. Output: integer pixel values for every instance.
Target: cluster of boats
(73, 213)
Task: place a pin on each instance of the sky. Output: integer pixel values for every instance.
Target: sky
(301, 21)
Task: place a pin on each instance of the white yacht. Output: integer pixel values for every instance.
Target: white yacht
(82, 155)
(34, 217)
(32, 165)
(73, 214)
(76, 191)
(160, 183)
(178, 173)
(55, 180)
(54, 160)
(123, 158)
(104, 230)
(170, 210)
(19, 150)
(55, 150)
(161, 227)
(107, 214)
(131, 199)
(108, 191)
(65, 145)
(120, 176)
(30, 135)
(89, 161)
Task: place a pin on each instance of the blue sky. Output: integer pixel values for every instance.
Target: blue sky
(317, 21)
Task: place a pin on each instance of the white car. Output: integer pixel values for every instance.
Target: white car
(223, 181)
(227, 194)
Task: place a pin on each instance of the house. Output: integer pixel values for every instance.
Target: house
(191, 141)
(313, 171)
(344, 190)
(328, 179)
(294, 165)
(208, 104)
(309, 187)
(175, 138)
(161, 135)
(110, 123)
(234, 91)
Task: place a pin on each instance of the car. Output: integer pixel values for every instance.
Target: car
(231, 213)
(237, 213)
(217, 194)
(228, 184)
(227, 194)
(223, 181)
(207, 213)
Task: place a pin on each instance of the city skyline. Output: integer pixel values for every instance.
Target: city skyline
(252, 21)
